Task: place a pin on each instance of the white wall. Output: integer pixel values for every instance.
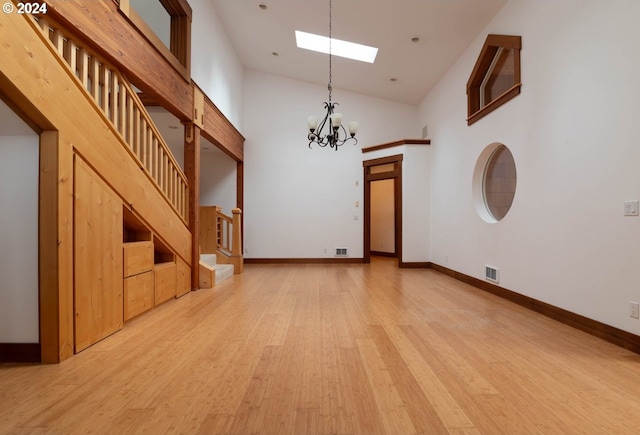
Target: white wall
(215, 67)
(416, 197)
(416, 204)
(218, 180)
(573, 134)
(19, 158)
(299, 201)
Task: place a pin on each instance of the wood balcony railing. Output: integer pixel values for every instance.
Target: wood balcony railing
(229, 237)
(114, 95)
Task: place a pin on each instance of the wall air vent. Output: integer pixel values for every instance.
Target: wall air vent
(492, 274)
(342, 252)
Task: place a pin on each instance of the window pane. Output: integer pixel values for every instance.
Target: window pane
(156, 17)
(499, 184)
(378, 169)
(500, 77)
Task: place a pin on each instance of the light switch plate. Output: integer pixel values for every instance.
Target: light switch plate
(631, 208)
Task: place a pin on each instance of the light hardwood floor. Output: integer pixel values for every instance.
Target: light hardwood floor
(335, 349)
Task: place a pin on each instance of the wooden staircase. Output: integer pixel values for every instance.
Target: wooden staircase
(107, 182)
(98, 147)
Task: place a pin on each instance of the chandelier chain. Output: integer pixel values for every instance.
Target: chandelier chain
(330, 40)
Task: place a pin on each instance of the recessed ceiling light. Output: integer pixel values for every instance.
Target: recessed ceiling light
(393, 79)
(350, 50)
(262, 6)
(415, 39)
(275, 53)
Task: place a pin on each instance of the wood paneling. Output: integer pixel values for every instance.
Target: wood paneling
(98, 258)
(56, 248)
(138, 258)
(219, 131)
(207, 276)
(183, 278)
(139, 294)
(208, 230)
(165, 282)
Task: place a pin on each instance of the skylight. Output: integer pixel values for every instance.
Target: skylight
(350, 50)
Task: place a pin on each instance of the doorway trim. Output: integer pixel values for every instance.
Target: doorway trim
(396, 175)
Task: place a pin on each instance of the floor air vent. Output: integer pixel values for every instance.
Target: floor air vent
(342, 252)
(491, 274)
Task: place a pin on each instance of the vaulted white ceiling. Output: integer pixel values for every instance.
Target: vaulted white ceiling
(445, 29)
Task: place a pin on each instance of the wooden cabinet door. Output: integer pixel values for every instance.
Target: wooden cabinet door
(98, 269)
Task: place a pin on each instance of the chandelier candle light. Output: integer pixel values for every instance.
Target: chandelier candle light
(337, 134)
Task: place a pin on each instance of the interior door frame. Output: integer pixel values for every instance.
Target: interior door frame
(396, 175)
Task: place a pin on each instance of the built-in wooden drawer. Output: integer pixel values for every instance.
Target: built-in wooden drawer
(138, 258)
(139, 294)
(165, 282)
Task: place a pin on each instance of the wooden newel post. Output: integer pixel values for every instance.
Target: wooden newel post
(236, 247)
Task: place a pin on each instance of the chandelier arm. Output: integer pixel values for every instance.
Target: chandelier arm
(324, 120)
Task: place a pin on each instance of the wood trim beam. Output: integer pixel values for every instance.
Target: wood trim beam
(302, 260)
(415, 265)
(383, 160)
(178, 8)
(397, 143)
(19, 352)
(220, 131)
(24, 108)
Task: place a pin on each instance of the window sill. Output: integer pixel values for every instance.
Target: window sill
(493, 105)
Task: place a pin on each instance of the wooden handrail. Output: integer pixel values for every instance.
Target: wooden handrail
(224, 235)
(229, 237)
(115, 97)
(236, 250)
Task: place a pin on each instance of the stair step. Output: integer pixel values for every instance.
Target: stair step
(210, 259)
(223, 271)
